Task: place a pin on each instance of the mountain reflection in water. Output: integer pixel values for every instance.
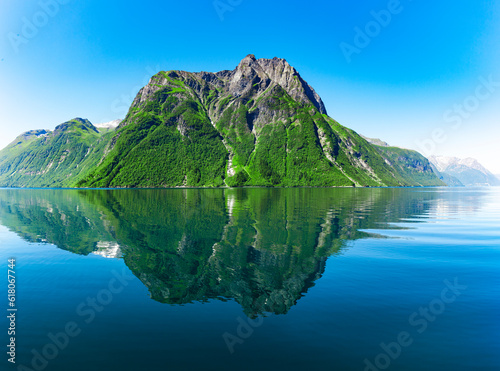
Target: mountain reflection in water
(264, 248)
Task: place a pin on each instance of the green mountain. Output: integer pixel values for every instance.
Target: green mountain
(258, 125)
(58, 158)
(410, 165)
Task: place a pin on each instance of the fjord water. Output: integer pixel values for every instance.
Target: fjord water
(245, 279)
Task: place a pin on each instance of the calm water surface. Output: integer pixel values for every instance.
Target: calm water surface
(253, 279)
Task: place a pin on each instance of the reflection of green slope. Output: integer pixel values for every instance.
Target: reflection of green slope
(169, 235)
(60, 217)
(174, 245)
(263, 248)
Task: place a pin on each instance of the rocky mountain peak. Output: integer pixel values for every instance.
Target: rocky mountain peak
(248, 59)
(247, 74)
(252, 71)
(251, 78)
(280, 71)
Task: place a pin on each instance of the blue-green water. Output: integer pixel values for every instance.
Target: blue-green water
(253, 279)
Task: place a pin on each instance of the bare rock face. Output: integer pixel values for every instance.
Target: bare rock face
(277, 71)
(251, 78)
(247, 74)
(289, 79)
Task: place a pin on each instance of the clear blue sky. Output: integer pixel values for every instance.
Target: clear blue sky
(89, 58)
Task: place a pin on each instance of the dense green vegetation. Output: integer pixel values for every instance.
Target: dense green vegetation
(233, 128)
(60, 217)
(411, 166)
(169, 142)
(53, 159)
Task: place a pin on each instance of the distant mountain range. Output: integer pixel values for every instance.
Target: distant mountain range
(260, 124)
(453, 171)
(468, 172)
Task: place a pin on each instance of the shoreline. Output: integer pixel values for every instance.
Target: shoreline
(213, 188)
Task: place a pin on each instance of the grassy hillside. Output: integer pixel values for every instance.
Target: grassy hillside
(411, 166)
(52, 159)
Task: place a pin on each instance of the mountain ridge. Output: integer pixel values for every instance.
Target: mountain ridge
(468, 170)
(260, 124)
(42, 158)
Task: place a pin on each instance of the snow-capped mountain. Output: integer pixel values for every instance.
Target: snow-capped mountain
(108, 125)
(468, 171)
